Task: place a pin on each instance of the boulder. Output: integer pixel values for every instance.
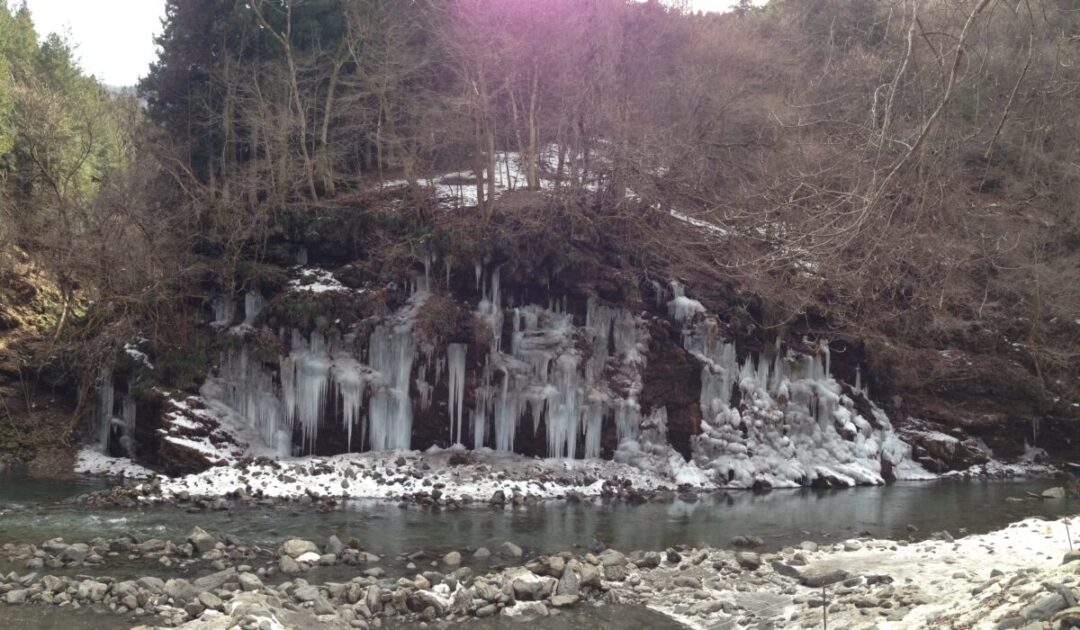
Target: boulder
(202, 540)
(295, 548)
(815, 577)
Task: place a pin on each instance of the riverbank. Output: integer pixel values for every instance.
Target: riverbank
(1011, 577)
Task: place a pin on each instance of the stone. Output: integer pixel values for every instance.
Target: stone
(295, 548)
(93, 590)
(1043, 608)
(16, 597)
(818, 577)
(1071, 556)
(486, 611)
(510, 550)
(748, 560)
(615, 573)
(785, 570)
(211, 601)
(289, 566)
(590, 576)
(526, 609)
(673, 556)
(1056, 492)
(747, 542)
(420, 601)
(482, 554)
(214, 580)
(686, 581)
(612, 558)
(323, 607)
(249, 582)
(307, 593)
(180, 590)
(334, 545)
(852, 545)
(75, 554)
(497, 498)
(569, 584)
(562, 601)
(452, 559)
(150, 583)
(202, 540)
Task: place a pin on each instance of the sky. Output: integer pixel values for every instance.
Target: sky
(117, 45)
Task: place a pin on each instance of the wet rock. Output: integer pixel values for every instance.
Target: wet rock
(562, 601)
(335, 546)
(686, 581)
(295, 548)
(1056, 492)
(1071, 556)
(180, 590)
(486, 611)
(818, 577)
(612, 558)
(249, 582)
(307, 593)
(289, 566)
(201, 540)
(497, 498)
(1043, 608)
(510, 550)
(150, 583)
(748, 560)
(672, 556)
(214, 580)
(211, 601)
(569, 584)
(747, 542)
(785, 570)
(92, 590)
(452, 559)
(482, 554)
(16, 597)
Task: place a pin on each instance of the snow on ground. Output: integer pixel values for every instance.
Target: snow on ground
(316, 280)
(455, 473)
(93, 462)
(949, 572)
(1004, 579)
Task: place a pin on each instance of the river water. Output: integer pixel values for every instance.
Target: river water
(29, 512)
(34, 511)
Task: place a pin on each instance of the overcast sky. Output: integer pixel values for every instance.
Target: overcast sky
(115, 38)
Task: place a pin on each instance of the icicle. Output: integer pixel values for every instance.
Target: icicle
(106, 402)
(456, 353)
(390, 409)
(224, 311)
(129, 414)
(253, 305)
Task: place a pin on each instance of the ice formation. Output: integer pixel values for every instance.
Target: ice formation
(253, 305)
(109, 424)
(793, 425)
(546, 378)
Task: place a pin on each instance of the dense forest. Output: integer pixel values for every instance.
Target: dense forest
(903, 173)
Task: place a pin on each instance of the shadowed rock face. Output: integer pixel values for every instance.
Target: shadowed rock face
(673, 380)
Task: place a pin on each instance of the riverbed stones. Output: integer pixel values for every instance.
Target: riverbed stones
(16, 597)
(249, 582)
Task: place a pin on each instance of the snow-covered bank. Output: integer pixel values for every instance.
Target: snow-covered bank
(1004, 579)
(92, 462)
(448, 475)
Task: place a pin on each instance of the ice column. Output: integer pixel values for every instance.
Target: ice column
(455, 360)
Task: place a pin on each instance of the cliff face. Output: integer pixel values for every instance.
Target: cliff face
(550, 331)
